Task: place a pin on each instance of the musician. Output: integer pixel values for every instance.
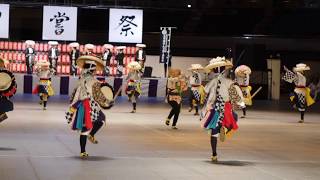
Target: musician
(175, 87)
(140, 56)
(44, 88)
(88, 49)
(74, 55)
(119, 59)
(300, 97)
(30, 54)
(133, 89)
(53, 54)
(87, 101)
(242, 74)
(8, 87)
(106, 57)
(223, 95)
(197, 93)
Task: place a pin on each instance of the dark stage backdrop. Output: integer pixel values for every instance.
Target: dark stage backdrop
(208, 35)
(254, 55)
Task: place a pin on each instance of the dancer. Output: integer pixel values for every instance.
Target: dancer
(88, 99)
(197, 92)
(119, 58)
(242, 74)
(30, 54)
(141, 56)
(301, 96)
(44, 88)
(73, 56)
(223, 95)
(175, 87)
(133, 89)
(88, 49)
(8, 87)
(54, 53)
(106, 57)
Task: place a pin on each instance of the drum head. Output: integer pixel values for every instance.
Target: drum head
(107, 91)
(5, 80)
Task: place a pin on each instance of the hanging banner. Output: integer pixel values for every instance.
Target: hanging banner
(125, 25)
(4, 20)
(164, 37)
(165, 44)
(59, 23)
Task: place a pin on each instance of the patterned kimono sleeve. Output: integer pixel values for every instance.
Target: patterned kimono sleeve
(183, 85)
(69, 115)
(210, 91)
(38, 71)
(75, 96)
(236, 96)
(171, 84)
(289, 76)
(51, 73)
(208, 86)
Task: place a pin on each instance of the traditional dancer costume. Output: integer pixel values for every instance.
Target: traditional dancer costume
(141, 56)
(176, 85)
(223, 95)
(85, 112)
(30, 54)
(242, 73)
(44, 88)
(53, 55)
(8, 88)
(197, 93)
(106, 57)
(301, 96)
(73, 56)
(119, 58)
(133, 89)
(88, 49)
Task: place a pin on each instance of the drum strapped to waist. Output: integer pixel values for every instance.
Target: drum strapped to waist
(103, 93)
(8, 85)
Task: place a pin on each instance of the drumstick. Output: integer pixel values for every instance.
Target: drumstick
(255, 93)
(117, 93)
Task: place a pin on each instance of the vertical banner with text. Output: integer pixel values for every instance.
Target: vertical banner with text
(59, 23)
(165, 38)
(4, 20)
(125, 25)
(163, 45)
